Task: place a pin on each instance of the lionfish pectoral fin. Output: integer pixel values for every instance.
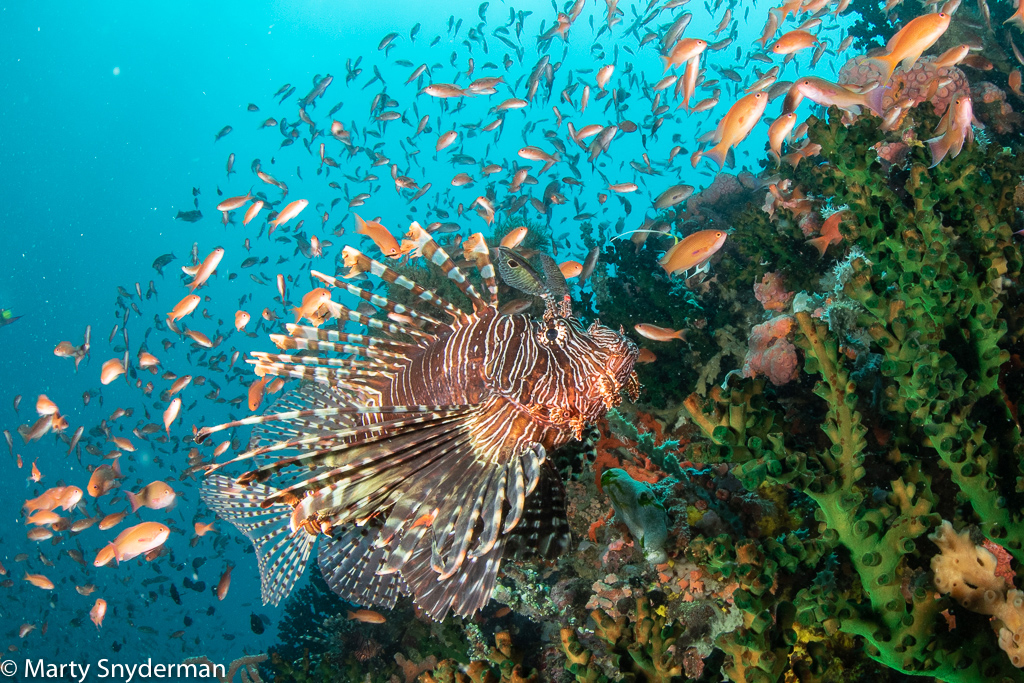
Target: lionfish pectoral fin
(281, 553)
(455, 566)
(350, 565)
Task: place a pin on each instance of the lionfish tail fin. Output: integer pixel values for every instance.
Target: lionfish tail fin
(281, 553)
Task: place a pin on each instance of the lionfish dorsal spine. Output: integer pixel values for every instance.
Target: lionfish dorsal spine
(425, 245)
(475, 248)
(360, 262)
(377, 300)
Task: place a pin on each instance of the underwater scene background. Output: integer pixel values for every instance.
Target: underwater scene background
(668, 341)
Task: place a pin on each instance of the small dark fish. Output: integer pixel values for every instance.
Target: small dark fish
(223, 131)
(162, 261)
(175, 596)
(256, 624)
(189, 216)
(249, 262)
(197, 586)
(253, 107)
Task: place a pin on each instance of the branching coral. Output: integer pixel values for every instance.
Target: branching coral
(644, 645)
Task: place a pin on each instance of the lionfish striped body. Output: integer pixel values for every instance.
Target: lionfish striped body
(418, 455)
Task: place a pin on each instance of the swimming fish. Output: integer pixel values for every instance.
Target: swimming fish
(907, 44)
(692, 251)
(133, 541)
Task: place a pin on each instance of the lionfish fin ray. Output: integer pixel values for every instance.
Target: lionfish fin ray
(381, 302)
(349, 564)
(364, 263)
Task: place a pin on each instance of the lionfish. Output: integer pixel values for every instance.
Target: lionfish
(417, 453)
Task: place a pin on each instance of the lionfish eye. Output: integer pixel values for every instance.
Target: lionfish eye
(551, 334)
(512, 263)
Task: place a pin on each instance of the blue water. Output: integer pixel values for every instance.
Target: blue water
(109, 114)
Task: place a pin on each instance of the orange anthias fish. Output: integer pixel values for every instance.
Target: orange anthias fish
(791, 42)
(911, 41)
(384, 240)
(203, 529)
(256, 390)
(225, 582)
(311, 303)
(953, 130)
(735, 126)
(111, 370)
(570, 269)
(683, 51)
(656, 333)
(515, 237)
(289, 212)
(65, 497)
(184, 307)
(112, 520)
(201, 273)
(232, 203)
(828, 94)
(829, 233)
(241, 320)
(98, 611)
(132, 542)
(367, 616)
(103, 479)
(156, 496)
(692, 251)
(779, 131)
(39, 581)
(171, 413)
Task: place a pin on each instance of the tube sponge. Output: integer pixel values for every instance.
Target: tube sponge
(636, 505)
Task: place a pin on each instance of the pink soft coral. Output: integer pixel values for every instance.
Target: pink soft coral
(770, 352)
(771, 292)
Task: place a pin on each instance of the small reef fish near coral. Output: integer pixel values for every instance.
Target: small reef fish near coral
(671, 342)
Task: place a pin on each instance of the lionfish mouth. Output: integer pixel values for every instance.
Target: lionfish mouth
(417, 453)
